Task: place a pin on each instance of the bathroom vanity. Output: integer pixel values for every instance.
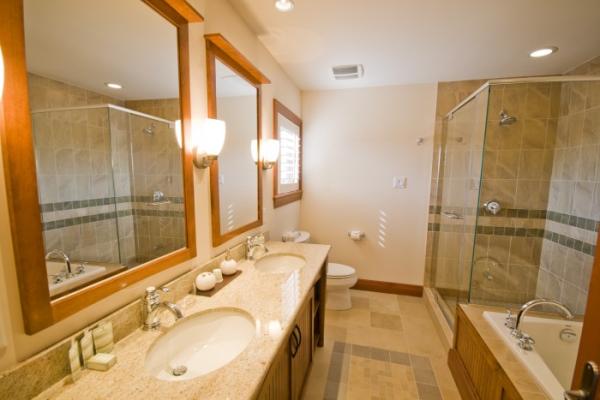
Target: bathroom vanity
(285, 311)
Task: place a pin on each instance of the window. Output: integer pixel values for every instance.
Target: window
(287, 177)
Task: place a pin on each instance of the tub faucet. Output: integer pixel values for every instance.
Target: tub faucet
(516, 332)
(253, 242)
(57, 253)
(153, 304)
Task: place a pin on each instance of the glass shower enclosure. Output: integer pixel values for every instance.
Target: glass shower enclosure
(519, 184)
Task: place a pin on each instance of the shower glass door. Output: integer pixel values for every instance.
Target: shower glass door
(460, 175)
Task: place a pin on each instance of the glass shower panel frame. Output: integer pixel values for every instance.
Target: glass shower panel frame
(463, 136)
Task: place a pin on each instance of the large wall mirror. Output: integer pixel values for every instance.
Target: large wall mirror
(107, 87)
(234, 95)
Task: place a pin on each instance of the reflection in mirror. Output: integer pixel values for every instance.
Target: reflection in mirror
(237, 105)
(105, 110)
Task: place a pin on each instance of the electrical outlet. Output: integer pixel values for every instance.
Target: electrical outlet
(400, 182)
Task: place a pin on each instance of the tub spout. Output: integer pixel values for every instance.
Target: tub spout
(564, 311)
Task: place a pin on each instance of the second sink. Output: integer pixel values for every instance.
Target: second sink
(280, 263)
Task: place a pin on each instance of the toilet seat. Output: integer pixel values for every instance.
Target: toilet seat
(339, 271)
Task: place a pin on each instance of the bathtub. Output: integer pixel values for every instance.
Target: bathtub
(552, 361)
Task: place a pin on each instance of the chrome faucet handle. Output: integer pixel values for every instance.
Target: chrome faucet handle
(526, 342)
(516, 333)
(510, 320)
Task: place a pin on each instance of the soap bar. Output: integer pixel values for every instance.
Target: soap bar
(102, 361)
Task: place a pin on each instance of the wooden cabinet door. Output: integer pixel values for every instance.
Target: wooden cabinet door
(301, 347)
(277, 383)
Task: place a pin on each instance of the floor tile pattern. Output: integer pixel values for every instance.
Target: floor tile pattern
(385, 347)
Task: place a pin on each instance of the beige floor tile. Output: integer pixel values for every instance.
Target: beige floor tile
(377, 337)
(386, 321)
(388, 304)
(348, 318)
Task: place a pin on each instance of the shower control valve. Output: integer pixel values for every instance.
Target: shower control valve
(492, 206)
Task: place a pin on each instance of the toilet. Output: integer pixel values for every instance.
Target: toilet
(340, 278)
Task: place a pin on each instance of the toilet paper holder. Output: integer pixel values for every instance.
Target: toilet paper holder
(356, 234)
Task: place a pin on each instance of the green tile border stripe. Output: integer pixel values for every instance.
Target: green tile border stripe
(63, 223)
(77, 204)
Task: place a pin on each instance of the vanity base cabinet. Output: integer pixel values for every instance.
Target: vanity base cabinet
(287, 375)
(477, 373)
(302, 347)
(277, 383)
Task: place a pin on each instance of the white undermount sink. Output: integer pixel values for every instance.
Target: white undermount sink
(279, 263)
(200, 344)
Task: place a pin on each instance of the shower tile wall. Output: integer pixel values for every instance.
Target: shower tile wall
(517, 167)
(74, 176)
(574, 205)
(82, 208)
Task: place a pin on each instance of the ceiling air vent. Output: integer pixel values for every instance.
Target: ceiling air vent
(343, 72)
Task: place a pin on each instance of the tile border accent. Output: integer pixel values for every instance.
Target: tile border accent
(425, 380)
(62, 223)
(76, 204)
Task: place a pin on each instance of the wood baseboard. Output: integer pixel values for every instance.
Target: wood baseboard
(461, 376)
(389, 287)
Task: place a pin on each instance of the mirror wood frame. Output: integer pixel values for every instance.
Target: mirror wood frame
(38, 310)
(283, 198)
(217, 47)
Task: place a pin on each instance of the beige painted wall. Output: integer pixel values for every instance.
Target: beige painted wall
(355, 142)
(219, 18)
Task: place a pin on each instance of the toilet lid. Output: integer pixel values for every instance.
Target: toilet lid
(339, 270)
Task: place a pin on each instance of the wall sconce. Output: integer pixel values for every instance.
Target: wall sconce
(210, 142)
(269, 152)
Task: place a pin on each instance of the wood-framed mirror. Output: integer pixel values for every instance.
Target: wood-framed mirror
(287, 172)
(234, 96)
(96, 145)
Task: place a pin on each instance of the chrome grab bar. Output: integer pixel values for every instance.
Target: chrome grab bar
(451, 215)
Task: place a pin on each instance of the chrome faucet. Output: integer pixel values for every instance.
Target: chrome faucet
(152, 306)
(516, 332)
(57, 253)
(253, 242)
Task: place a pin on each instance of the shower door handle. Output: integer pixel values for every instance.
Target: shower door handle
(589, 384)
(451, 215)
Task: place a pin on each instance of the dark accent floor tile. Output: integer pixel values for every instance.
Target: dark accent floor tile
(380, 354)
(361, 351)
(428, 392)
(425, 376)
(399, 358)
(341, 347)
(419, 362)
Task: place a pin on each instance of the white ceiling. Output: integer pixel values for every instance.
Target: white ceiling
(417, 41)
(89, 42)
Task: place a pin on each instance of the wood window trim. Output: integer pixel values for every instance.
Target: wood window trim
(38, 310)
(217, 47)
(282, 199)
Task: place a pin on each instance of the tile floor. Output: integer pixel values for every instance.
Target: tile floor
(385, 347)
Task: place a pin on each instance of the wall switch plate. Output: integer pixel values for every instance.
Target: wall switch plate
(400, 182)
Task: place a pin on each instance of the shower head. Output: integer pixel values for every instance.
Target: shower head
(506, 119)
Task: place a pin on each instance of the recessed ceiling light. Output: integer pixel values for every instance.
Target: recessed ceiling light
(113, 85)
(284, 5)
(543, 52)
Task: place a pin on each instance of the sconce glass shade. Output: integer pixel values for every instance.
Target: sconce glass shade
(210, 142)
(212, 139)
(269, 152)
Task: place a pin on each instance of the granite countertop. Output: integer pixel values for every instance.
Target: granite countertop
(266, 297)
(516, 371)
